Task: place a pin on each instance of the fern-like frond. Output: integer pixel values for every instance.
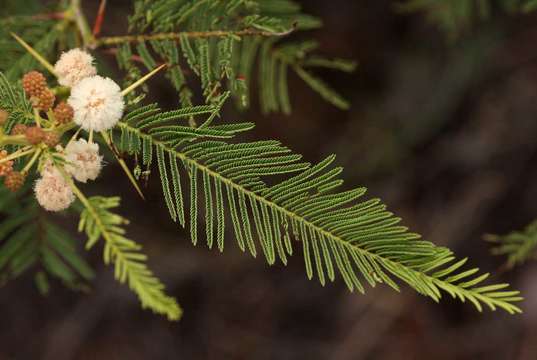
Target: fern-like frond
(29, 241)
(359, 240)
(14, 101)
(225, 52)
(518, 246)
(98, 222)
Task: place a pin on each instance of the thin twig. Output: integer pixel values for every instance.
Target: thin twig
(17, 154)
(100, 18)
(46, 16)
(32, 160)
(49, 16)
(82, 23)
(107, 139)
(142, 80)
(116, 40)
(34, 53)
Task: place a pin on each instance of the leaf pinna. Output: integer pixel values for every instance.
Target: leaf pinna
(360, 241)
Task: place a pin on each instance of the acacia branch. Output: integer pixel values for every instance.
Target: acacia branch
(176, 36)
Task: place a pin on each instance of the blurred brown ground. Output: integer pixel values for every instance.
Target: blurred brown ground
(445, 133)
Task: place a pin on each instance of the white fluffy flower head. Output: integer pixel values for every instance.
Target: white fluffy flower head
(74, 66)
(53, 193)
(97, 102)
(83, 160)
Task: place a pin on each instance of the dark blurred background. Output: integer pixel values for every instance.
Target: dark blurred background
(443, 131)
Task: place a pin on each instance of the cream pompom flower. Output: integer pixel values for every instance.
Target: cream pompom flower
(74, 66)
(53, 192)
(97, 102)
(83, 160)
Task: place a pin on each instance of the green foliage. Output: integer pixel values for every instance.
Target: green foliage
(271, 199)
(13, 100)
(98, 222)
(18, 17)
(518, 246)
(29, 241)
(454, 16)
(40, 26)
(360, 241)
(221, 42)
